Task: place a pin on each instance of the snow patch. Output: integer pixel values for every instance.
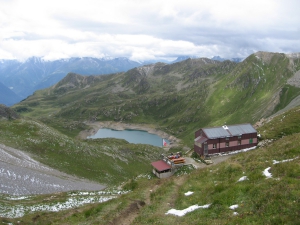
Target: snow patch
(17, 198)
(17, 211)
(188, 193)
(267, 173)
(233, 207)
(187, 210)
(282, 161)
(243, 178)
(233, 152)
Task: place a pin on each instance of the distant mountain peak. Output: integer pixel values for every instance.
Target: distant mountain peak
(37, 73)
(219, 58)
(34, 59)
(184, 57)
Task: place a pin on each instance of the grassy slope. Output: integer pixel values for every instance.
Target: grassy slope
(227, 93)
(108, 161)
(210, 94)
(249, 90)
(204, 101)
(261, 200)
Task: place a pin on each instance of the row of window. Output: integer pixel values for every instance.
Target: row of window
(239, 143)
(239, 137)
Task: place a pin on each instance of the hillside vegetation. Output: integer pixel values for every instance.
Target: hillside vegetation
(177, 99)
(108, 161)
(261, 187)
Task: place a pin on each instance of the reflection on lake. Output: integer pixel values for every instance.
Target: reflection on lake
(132, 136)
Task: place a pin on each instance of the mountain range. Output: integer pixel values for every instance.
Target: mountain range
(24, 78)
(260, 186)
(179, 97)
(219, 58)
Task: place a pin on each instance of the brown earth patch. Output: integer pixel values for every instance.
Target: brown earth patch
(128, 215)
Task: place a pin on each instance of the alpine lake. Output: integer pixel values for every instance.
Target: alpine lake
(132, 136)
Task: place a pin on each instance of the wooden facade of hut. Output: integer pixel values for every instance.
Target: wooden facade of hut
(224, 139)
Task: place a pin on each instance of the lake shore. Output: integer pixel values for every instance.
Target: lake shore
(95, 126)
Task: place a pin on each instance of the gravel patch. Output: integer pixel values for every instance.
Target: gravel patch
(295, 80)
(22, 175)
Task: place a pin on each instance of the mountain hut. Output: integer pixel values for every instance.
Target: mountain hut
(224, 139)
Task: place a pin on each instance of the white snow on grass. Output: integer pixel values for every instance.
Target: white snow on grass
(187, 210)
(72, 202)
(147, 175)
(75, 199)
(109, 192)
(282, 161)
(243, 178)
(267, 173)
(188, 193)
(234, 152)
(233, 207)
(17, 198)
(243, 150)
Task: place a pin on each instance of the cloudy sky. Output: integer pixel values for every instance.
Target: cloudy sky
(147, 29)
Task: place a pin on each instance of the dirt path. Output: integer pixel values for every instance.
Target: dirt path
(199, 165)
(127, 216)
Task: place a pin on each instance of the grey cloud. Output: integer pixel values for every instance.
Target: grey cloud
(205, 32)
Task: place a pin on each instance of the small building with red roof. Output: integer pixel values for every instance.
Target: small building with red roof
(167, 166)
(162, 169)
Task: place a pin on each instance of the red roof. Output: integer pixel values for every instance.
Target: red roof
(161, 165)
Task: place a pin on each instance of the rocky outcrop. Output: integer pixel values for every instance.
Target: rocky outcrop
(73, 81)
(295, 80)
(7, 113)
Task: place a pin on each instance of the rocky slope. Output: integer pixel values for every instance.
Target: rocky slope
(22, 175)
(7, 113)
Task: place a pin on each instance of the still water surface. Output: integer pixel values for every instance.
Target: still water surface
(132, 136)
